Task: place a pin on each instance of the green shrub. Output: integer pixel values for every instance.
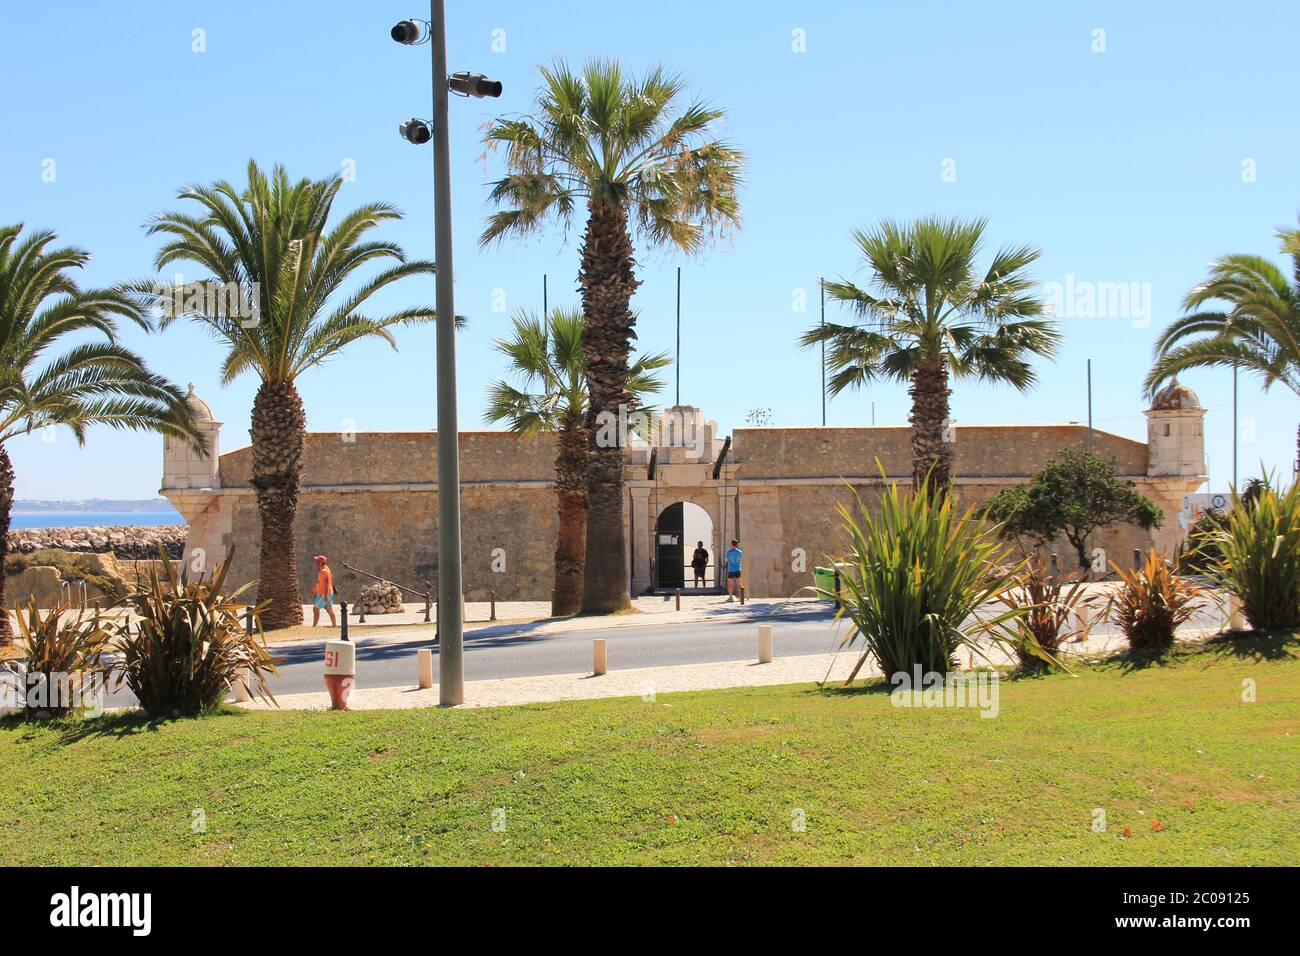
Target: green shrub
(189, 645)
(917, 573)
(61, 647)
(1150, 603)
(1260, 557)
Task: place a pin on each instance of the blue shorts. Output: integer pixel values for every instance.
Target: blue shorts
(323, 601)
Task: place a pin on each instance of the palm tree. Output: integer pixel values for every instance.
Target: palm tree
(546, 358)
(96, 382)
(1245, 315)
(621, 146)
(267, 248)
(933, 315)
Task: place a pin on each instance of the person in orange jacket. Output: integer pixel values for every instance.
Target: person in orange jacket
(323, 593)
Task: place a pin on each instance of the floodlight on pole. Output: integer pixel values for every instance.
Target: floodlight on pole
(473, 84)
(412, 32)
(416, 131)
(451, 592)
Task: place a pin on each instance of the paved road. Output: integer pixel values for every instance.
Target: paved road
(511, 651)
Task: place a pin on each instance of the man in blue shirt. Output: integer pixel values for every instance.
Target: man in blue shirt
(734, 558)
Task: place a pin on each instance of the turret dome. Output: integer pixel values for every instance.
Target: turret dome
(201, 409)
(1175, 397)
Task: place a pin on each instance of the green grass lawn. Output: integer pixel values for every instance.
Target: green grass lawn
(708, 777)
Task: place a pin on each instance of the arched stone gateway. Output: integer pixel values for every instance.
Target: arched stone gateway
(370, 499)
(684, 464)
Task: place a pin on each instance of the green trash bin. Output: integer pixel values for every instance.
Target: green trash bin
(824, 580)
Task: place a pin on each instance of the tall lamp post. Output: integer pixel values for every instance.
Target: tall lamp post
(451, 666)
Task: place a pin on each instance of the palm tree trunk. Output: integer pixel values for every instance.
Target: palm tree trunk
(279, 426)
(607, 280)
(571, 506)
(931, 455)
(6, 503)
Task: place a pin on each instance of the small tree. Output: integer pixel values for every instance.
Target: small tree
(1074, 494)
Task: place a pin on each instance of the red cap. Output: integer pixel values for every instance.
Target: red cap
(320, 557)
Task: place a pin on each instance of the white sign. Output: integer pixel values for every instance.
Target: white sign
(1195, 507)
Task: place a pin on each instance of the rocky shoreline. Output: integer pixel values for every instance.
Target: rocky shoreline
(124, 541)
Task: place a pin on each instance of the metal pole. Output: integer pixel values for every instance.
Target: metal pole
(678, 363)
(451, 667)
(545, 308)
(822, 284)
(1092, 538)
(1234, 426)
(1089, 404)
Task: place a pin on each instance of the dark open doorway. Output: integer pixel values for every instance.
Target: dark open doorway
(678, 530)
(669, 548)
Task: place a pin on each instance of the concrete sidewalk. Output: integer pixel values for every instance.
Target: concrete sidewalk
(644, 682)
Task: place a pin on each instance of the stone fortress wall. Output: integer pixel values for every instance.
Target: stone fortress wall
(371, 499)
(372, 502)
(793, 479)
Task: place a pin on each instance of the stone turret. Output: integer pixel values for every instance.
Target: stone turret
(1176, 434)
(192, 483)
(183, 467)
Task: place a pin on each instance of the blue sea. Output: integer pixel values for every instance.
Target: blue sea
(88, 519)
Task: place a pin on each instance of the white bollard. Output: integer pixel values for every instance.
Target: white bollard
(340, 672)
(765, 643)
(425, 658)
(240, 685)
(599, 661)
(1085, 621)
(1236, 615)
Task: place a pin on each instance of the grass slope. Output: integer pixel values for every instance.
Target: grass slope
(708, 777)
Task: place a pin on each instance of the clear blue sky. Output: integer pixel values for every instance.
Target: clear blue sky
(1124, 166)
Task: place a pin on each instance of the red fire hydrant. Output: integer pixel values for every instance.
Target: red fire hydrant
(340, 672)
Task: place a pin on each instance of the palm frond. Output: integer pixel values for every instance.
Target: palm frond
(545, 357)
(271, 240)
(599, 135)
(928, 304)
(95, 382)
(1245, 315)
